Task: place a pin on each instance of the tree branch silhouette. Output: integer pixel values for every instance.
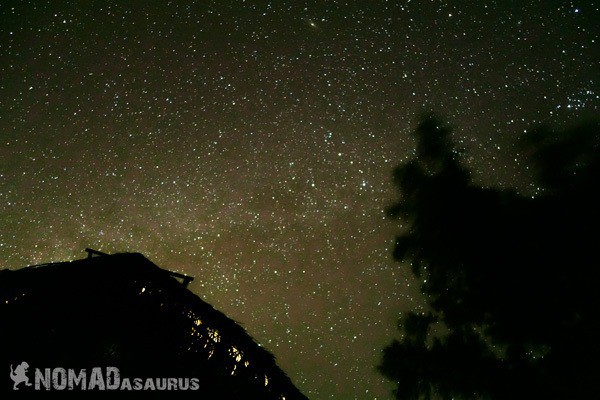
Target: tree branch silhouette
(513, 279)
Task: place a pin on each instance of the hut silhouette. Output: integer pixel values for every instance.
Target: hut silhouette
(122, 310)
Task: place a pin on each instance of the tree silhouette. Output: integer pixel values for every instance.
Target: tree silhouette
(511, 280)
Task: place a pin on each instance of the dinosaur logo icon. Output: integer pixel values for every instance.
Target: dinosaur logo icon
(19, 375)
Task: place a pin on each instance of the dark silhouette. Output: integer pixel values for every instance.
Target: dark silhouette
(122, 310)
(511, 280)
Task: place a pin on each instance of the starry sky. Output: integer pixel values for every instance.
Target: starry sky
(251, 144)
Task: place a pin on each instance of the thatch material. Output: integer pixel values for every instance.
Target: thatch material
(122, 310)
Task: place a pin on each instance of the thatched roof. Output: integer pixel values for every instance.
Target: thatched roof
(122, 310)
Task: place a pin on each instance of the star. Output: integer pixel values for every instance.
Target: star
(227, 147)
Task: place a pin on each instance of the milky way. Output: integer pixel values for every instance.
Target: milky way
(251, 144)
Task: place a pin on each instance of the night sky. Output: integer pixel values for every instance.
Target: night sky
(251, 145)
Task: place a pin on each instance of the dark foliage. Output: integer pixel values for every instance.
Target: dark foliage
(122, 310)
(512, 280)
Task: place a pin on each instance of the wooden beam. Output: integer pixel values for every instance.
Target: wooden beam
(92, 252)
(186, 278)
